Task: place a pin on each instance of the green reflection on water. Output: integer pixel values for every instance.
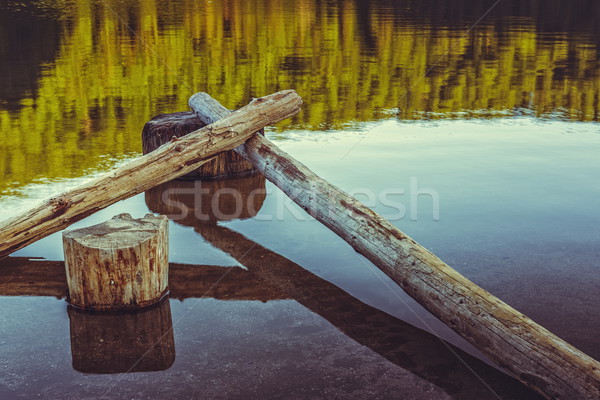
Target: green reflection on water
(88, 74)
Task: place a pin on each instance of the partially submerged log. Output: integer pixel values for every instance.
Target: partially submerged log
(120, 263)
(162, 165)
(122, 342)
(535, 356)
(22, 276)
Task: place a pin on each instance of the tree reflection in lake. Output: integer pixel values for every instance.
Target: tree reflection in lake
(350, 60)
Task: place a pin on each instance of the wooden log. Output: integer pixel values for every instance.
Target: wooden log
(120, 263)
(122, 342)
(162, 165)
(190, 203)
(162, 128)
(535, 356)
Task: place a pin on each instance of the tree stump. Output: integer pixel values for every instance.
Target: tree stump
(122, 341)
(121, 263)
(162, 128)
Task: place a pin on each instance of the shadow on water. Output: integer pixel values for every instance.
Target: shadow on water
(143, 341)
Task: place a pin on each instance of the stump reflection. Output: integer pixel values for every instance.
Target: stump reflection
(190, 203)
(119, 342)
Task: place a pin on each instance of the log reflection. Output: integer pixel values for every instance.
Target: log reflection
(458, 373)
(270, 276)
(192, 202)
(119, 342)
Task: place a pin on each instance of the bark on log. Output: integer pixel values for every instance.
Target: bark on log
(522, 347)
(162, 165)
(120, 263)
(122, 342)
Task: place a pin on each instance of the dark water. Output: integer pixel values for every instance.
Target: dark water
(476, 137)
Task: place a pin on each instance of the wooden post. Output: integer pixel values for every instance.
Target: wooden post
(162, 165)
(535, 356)
(121, 263)
(121, 342)
(162, 128)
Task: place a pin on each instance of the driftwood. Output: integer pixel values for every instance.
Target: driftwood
(120, 263)
(530, 352)
(166, 163)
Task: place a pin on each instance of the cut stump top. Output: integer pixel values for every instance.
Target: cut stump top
(122, 231)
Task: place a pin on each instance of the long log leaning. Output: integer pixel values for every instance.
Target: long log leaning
(531, 353)
(166, 163)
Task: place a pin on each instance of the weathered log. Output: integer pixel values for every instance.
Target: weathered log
(120, 263)
(120, 342)
(162, 128)
(522, 347)
(162, 165)
(208, 201)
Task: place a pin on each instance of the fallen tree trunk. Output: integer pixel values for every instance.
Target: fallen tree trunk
(522, 347)
(166, 163)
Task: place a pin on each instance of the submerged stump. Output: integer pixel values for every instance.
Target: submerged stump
(121, 263)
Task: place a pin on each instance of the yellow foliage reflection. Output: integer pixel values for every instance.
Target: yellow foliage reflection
(121, 62)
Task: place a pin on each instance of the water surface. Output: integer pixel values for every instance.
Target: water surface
(407, 105)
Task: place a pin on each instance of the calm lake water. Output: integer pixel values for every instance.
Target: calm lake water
(472, 127)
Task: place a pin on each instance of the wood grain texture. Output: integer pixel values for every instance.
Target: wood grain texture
(120, 263)
(168, 162)
(531, 353)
